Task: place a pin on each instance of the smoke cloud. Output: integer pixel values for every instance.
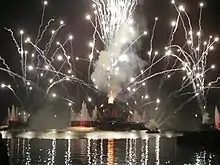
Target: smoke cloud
(118, 63)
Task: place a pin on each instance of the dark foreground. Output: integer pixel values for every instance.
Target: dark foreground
(4, 158)
(151, 150)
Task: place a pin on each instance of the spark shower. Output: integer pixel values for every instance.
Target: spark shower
(117, 69)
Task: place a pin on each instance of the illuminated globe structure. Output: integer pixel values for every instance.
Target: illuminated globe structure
(112, 116)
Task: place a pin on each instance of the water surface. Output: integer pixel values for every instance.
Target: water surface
(152, 150)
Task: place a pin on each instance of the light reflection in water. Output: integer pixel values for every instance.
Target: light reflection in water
(68, 153)
(144, 151)
(148, 151)
(101, 151)
(110, 159)
(157, 150)
(28, 153)
(89, 151)
(202, 157)
(53, 151)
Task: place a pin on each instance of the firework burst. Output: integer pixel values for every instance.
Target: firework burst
(116, 69)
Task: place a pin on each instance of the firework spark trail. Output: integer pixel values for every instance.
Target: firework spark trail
(13, 38)
(39, 36)
(45, 30)
(49, 44)
(112, 15)
(91, 56)
(23, 67)
(152, 40)
(17, 97)
(192, 60)
(6, 65)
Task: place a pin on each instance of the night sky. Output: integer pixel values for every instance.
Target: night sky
(26, 14)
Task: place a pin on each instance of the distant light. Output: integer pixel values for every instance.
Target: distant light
(69, 71)
(46, 67)
(198, 33)
(45, 2)
(158, 100)
(28, 83)
(28, 40)
(143, 84)
(145, 33)
(55, 116)
(88, 17)
(173, 23)
(213, 66)
(61, 22)
(181, 8)
(59, 58)
(89, 99)
(21, 32)
(70, 104)
(172, 1)
(94, 5)
(30, 88)
(30, 68)
(51, 80)
(196, 115)
(41, 74)
(212, 47)
(132, 79)
(216, 39)
(129, 89)
(168, 53)
(156, 18)
(91, 44)
(201, 4)
(32, 55)
(53, 31)
(77, 58)
(3, 85)
(54, 95)
(146, 97)
(70, 37)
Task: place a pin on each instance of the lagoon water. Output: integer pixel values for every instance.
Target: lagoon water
(152, 150)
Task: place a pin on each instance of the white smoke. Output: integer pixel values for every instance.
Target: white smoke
(118, 63)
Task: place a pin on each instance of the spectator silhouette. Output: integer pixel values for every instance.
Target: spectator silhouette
(4, 158)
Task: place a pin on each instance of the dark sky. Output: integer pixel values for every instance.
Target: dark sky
(17, 14)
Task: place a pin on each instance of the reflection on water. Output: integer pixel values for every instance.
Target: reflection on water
(149, 151)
